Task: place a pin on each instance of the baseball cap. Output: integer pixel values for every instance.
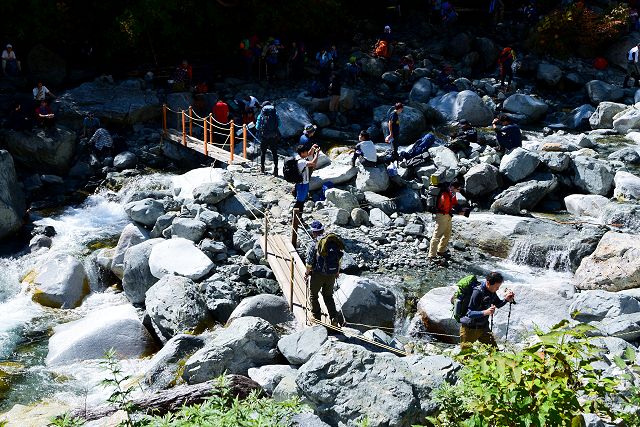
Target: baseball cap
(9, 46)
(310, 128)
(316, 226)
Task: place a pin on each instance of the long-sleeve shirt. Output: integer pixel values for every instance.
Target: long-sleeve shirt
(509, 137)
(446, 201)
(481, 299)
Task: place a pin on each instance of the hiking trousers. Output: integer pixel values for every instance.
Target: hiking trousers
(469, 335)
(322, 283)
(441, 235)
(270, 144)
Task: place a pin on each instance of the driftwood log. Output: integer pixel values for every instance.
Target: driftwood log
(163, 401)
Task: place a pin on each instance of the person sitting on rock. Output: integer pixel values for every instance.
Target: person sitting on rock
(42, 93)
(463, 138)
(323, 268)
(385, 44)
(44, 115)
(10, 64)
(18, 120)
(307, 160)
(508, 134)
(251, 107)
(407, 65)
(632, 66)
(101, 143)
(90, 124)
(365, 151)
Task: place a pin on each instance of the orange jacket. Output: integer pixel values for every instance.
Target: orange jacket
(446, 202)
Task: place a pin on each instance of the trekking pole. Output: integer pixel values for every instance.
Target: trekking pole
(491, 321)
(506, 335)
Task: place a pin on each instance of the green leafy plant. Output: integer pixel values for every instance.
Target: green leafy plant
(64, 420)
(121, 395)
(549, 383)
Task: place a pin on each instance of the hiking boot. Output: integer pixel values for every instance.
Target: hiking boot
(445, 254)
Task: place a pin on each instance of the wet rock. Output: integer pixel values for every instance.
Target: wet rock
(137, 277)
(125, 160)
(60, 282)
(12, 202)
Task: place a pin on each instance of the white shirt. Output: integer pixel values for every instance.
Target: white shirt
(304, 170)
(368, 150)
(40, 94)
(8, 55)
(633, 54)
(252, 102)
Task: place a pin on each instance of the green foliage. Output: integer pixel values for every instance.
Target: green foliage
(121, 395)
(64, 420)
(549, 383)
(631, 414)
(223, 409)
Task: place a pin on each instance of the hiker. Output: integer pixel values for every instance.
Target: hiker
(45, 116)
(90, 124)
(333, 54)
(335, 87)
(221, 112)
(102, 143)
(307, 160)
(182, 76)
(474, 326)
(353, 70)
(384, 46)
(632, 66)
(307, 137)
(323, 268)
(271, 58)
(269, 135)
(508, 134)
(394, 128)
(505, 62)
(10, 64)
(365, 151)
(463, 138)
(407, 65)
(251, 107)
(18, 120)
(42, 93)
(445, 207)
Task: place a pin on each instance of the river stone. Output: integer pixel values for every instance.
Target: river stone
(298, 347)
(212, 219)
(627, 186)
(519, 164)
(336, 173)
(269, 376)
(210, 193)
(599, 91)
(175, 305)
(549, 74)
(579, 117)
(614, 266)
(45, 152)
(61, 282)
(625, 215)
(602, 117)
(247, 342)
(422, 90)
(12, 203)
(336, 216)
(468, 105)
(533, 108)
(364, 301)
(408, 201)
(629, 155)
(162, 223)
(383, 203)
(131, 235)
(523, 196)
(145, 211)
(117, 328)
(162, 370)
(137, 277)
(373, 67)
(378, 218)
(556, 162)
(181, 257)
(592, 176)
(293, 118)
(183, 186)
(444, 158)
(598, 304)
(481, 180)
(374, 179)
(188, 228)
(272, 308)
(627, 120)
(585, 204)
(39, 242)
(412, 123)
(125, 160)
(340, 379)
(342, 199)
(242, 204)
(221, 299)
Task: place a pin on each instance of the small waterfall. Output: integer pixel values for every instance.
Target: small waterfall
(527, 251)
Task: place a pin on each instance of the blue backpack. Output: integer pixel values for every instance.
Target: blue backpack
(329, 252)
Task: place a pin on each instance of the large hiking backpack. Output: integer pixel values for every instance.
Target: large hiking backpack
(329, 252)
(290, 171)
(269, 123)
(462, 296)
(433, 194)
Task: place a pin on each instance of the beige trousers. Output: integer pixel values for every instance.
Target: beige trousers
(441, 235)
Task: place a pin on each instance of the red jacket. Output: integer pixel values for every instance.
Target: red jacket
(221, 112)
(446, 202)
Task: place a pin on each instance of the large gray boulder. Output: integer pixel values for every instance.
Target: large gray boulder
(44, 152)
(137, 277)
(519, 164)
(534, 109)
(629, 155)
(340, 380)
(342, 199)
(298, 347)
(211, 193)
(12, 203)
(592, 176)
(378, 201)
(549, 74)
(422, 90)
(247, 343)
(481, 180)
(523, 196)
(602, 118)
(187, 186)
(180, 257)
(188, 228)
(627, 186)
(555, 161)
(364, 301)
(116, 103)
(585, 204)
(269, 376)
(163, 369)
(444, 159)
(175, 305)
(125, 160)
(145, 212)
(131, 235)
(612, 313)
(614, 266)
(272, 308)
(374, 179)
(626, 120)
(336, 172)
(412, 123)
(61, 282)
(468, 105)
(243, 203)
(599, 91)
(117, 328)
(292, 118)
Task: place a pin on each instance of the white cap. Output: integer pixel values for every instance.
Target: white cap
(387, 28)
(9, 46)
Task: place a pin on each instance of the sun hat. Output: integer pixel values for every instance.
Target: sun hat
(316, 226)
(310, 128)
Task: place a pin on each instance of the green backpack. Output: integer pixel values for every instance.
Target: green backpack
(462, 296)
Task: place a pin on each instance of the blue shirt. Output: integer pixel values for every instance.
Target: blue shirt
(509, 137)
(481, 299)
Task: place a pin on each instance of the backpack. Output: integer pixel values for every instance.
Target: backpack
(329, 252)
(462, 296)
(290, 171)
(506, 56)
(269, 123)
(433, 194)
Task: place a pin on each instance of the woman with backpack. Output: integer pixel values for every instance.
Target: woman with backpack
(267, 125)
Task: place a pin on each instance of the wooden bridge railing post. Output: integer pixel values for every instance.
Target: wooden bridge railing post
(164, 119)
(244, 141)
(266, 237)
(232, 140)
(190, 121)
(291, 283)
(184, 134)
(295, 223)
(206, 145)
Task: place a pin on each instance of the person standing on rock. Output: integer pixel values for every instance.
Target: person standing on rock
(307, 137)
(394, 128)
(90, 124)
(508, 134)
(323, 269)
(505, 62)
(102, 143)
(445, 207)
(632, 66)
(269, 134)
(307, 160)
(474, 326)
